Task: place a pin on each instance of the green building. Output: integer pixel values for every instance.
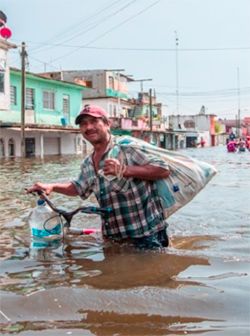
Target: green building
(50, 110)
(48, 101)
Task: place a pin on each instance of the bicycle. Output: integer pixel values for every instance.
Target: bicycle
(67, 216)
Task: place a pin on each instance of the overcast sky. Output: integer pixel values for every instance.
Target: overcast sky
(210, 66)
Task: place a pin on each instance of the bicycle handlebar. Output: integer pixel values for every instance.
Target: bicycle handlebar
(68, 215)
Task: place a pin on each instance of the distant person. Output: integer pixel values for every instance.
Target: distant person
(137, 215)
(202, 142)
(242, 145)
(231, 146)
(232, 136)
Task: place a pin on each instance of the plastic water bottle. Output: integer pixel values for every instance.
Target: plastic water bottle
(44, 223)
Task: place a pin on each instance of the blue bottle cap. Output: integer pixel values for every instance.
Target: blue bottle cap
(41, 201)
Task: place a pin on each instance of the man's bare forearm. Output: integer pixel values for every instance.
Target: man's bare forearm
(68, 189)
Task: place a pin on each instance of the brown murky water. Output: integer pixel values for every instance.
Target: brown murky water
(198, 286)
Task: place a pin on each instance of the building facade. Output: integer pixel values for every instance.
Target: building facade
(106, 88)
(134, 116)
(197, 128)
(50, 110)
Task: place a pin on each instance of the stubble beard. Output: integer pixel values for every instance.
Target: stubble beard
(101, 139)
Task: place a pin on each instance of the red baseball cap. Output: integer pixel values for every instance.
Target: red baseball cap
(92, 110)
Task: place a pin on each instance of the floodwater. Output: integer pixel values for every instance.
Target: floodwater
(200, 285)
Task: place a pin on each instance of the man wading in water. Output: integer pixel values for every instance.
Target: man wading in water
(125, 183)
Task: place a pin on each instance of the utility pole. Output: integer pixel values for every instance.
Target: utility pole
(238, 90)
(23, 59)
(150, 111)
(177, 71)
(119, 98)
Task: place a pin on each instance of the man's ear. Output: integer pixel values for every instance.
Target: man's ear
(107, 122)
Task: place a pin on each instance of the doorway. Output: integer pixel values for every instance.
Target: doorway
(30, 147)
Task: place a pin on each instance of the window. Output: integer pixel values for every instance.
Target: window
(13, 99)
(11, 147)
(49, 100)
(30, 147)
(111, 82)
(88, 83)
(30, 101)
(66, 106)
(1, 81)
(189, 124)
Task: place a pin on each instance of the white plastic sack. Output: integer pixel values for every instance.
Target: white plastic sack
(187, 176)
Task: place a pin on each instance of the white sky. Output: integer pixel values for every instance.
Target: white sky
(139, 36)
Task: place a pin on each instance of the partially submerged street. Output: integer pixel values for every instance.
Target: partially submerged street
(124, 168)
(197, 286)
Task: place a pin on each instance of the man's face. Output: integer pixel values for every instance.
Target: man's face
(95, 130)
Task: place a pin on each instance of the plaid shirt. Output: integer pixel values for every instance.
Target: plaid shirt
(137, 209)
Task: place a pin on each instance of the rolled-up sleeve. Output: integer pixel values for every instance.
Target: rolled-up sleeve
(84, 182)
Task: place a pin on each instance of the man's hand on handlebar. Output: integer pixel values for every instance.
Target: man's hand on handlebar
(44, 187)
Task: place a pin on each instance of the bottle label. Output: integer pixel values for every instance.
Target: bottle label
(45, 233)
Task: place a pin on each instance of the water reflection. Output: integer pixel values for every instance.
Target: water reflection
(81, 264)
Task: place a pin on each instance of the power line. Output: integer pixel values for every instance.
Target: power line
(110, 30)
(43, 62)
(84, 20)
(93, 25)
(225, 92)
(143, 49)
(102, 20)
(170, 49)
